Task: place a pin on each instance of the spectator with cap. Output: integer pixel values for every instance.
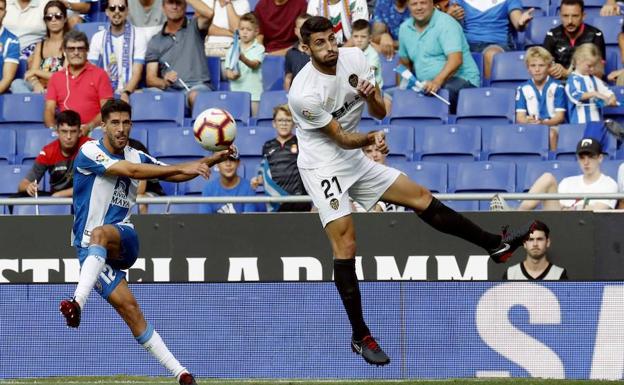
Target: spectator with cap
(592, 180)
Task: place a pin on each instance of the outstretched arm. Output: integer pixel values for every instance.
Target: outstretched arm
(353, 140)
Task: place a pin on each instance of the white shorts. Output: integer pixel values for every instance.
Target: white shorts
(362, 179)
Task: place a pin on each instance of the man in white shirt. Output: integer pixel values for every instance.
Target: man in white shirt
(120, 50)
(592, 180)
(326, 99)
(536, 266)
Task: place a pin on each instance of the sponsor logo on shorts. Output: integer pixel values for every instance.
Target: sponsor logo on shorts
(353, 80)
(334, 204)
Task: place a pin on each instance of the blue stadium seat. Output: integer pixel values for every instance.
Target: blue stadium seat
(174, 144)
(485, 177)
(508, 70)
(400, 140)
(515, 142)
(613, 60)
(269, 100)
(30, 142)
(433, 175)
(367, 121)
(236, 103)
(21, 68)
(540, 7)
(43, 210)
(569, 136)
(8, 146)
(527, 173)
(157, 109)
(188, 208)
(273, 73)
(22, 111)
(486, 106)
(11, 175)
(610, 168)
(448, 143)
(537, 29)
(616, 113)
(91, 28)
(387, 70)
(214, 68)
(410, 108)
(478, 58)
(250, 140)
(195, 185)
(610, 26)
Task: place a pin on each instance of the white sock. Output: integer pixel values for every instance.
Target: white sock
(152, 342)
(89, 272)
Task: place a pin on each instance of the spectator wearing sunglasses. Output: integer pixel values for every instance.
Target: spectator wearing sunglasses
(9, 54)
(120, 50)
(48, 55)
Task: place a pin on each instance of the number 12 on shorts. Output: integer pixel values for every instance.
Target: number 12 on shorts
(326, 185)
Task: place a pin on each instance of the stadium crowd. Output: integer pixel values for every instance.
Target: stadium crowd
(550, 73)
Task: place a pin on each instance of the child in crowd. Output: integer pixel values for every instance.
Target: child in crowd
(296, 58)
(361, 36)
(541, 100)
(245, 74)
(587, 94)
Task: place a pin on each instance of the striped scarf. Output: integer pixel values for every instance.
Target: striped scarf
(345, 17)
(110, 61)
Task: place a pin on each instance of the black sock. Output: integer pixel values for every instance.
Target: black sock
(347, 283)
(444, 219)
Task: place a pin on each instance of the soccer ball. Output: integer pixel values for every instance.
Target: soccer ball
(214, 129)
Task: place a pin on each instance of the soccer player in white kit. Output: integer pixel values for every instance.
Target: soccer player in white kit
(327, 98)
(106, 176)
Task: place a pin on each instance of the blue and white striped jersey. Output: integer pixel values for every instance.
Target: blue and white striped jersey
(588, 110)
(99, 198)
(543, 104)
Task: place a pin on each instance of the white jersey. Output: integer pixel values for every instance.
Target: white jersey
(99, 198)
(576, 184)
(518, 272)
(316, 98)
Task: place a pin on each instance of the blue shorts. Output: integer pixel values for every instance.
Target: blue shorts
(113, 273)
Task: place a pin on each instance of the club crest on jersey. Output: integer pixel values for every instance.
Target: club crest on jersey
(294, 149)
(334, 204)
(100, 158)
(353, 80)
(307, 114)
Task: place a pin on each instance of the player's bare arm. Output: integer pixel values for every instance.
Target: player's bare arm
(152, 171)
(373, 97)
(353, 140)
(207, 161)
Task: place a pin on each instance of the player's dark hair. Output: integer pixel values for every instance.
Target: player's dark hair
(580, 3)
(541, 226)
(360, 25)
(115, 105)
(313, 25)
(250, 17)
(75, 35)
(69, 117)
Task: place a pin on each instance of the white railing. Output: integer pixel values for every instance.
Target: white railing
(306, 198)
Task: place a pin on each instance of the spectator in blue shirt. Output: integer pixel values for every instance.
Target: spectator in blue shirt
(541, 100)
(229, 184)
(10, 49)
(432, 44)
(387, 19)
(486, 24)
